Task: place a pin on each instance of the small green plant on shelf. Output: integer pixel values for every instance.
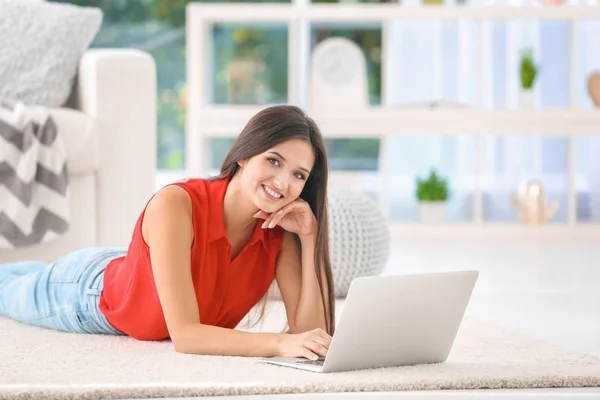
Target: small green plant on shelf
(528, 70)
(432, 188)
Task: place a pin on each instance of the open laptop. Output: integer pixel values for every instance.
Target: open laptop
(394, 320)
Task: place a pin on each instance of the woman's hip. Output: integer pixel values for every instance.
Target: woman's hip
(62, 295)
(83, 266)
(84, 271)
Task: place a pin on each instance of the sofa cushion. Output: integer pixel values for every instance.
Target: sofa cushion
(79, 133)
(41, 44)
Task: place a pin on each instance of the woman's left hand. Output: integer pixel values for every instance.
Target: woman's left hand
(296, 217)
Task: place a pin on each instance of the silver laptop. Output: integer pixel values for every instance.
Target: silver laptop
(394, 320)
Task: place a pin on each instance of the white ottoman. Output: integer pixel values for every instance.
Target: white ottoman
(359, 237)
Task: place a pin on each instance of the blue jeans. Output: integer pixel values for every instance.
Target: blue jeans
(63, 295)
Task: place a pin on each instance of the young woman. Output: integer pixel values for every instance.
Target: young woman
(203, 253)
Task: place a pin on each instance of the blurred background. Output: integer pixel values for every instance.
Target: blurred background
(431, 61)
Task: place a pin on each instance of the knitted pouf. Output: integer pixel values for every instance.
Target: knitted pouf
(359, 237)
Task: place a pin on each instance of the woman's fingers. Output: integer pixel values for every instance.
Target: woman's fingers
(268, 220)
(264, 215)
(323, 342)
(322, 334)
(261, 214)
(274, 218)
(277, 217)
(317, 348)
(307, 353)
(284, 211)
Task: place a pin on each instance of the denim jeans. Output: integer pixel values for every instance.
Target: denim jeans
(62, 295)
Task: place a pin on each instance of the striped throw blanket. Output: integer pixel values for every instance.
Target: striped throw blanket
(34, 195)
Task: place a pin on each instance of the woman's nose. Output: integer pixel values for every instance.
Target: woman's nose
(280, 183)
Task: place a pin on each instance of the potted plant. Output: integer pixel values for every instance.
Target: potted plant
(432, 193)
(528, 72)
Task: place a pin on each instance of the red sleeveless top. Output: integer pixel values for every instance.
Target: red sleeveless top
(226, 290)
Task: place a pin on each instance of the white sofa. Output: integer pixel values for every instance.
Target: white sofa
(111, 154)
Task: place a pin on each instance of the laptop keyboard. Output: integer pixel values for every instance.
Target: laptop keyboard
(320, 361)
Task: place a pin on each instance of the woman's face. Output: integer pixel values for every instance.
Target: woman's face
(276, 177)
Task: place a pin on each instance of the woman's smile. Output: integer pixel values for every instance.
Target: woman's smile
(272, 194)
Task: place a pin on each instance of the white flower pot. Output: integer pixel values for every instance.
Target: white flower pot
(432, 212)
(527, 99)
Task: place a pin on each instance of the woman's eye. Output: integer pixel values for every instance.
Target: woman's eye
(273, 161)
(299, 175)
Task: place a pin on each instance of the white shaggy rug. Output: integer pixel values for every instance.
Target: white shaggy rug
(42, 364)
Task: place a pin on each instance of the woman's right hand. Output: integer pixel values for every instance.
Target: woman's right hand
(310, 345)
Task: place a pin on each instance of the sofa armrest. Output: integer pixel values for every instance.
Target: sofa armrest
(118, 88)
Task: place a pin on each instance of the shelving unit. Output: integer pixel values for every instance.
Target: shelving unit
(375, 12)
(222, 121)
(206, 120)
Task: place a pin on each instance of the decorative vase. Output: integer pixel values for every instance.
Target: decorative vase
(532, 205)
(593, 84)
(527, 99)
(432, 212)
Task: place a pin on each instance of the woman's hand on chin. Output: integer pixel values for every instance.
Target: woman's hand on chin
(295, 217)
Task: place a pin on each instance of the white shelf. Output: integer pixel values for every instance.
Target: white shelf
(495, 231)
(269, 12)
(228, 121)
(205, 120)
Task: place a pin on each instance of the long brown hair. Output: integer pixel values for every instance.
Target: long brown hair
(267, 129)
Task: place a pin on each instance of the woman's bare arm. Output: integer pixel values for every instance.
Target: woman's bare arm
(297, 281)
(168, 231)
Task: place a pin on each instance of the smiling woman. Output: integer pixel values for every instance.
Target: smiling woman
(281, 178)
(279, 163)
(178, 279)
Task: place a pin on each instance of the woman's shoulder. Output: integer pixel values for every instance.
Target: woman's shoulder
(170, 197)
(191, 183)
(194, 188)
(170, 206)
(196, 193)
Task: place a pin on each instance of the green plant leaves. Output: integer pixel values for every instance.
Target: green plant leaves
(432, 188)
(528, 69)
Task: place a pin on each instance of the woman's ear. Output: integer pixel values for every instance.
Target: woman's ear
(242, 163)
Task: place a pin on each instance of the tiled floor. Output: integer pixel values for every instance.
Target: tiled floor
(547, 289)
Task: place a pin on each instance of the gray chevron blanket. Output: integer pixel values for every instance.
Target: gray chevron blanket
(34, 195)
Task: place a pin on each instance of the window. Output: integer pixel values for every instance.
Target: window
(431, 60)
